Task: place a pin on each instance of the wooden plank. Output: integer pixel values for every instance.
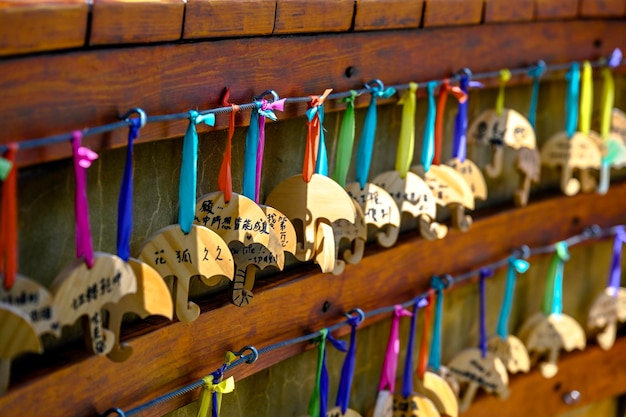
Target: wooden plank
(452, 12)
(305, 16)
(556, 9)
(33, 25)
(227, 18)
(595, 373)
(174, 354)
(602, 8)
(509, 11)
(136, 21)
(392, 14)
(47, 95)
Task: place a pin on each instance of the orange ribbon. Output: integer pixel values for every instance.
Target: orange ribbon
(224, 180)
(313, 138)
(8, 221)
(423, 357)
(439, 118)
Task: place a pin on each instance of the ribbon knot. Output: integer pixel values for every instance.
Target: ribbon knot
(390, 364)
(553, 295)
(211, 395)
(85, 157)
(314, 132)
(197, 118)
(267, 107)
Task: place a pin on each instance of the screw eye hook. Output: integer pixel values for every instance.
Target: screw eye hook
(143, 118)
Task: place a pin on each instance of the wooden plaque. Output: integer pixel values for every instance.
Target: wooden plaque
(472, 175)
(414, 405)
(356, 234)
(528, 165)
(182, 256)
(439, 391)
(618, 124)
(282, 227)
(384, 405)
(607, 310)
(336, 412)
(510, 128)
(511, 352)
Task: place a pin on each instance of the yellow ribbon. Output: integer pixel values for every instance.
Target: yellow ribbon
(608, 98)
(404, 157)
(505, 76)
(222, 387)
(586, 99)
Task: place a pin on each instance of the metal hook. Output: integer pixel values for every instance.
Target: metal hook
(465, 71)
(253, 351)
(142, 116)
(593, 231)
(113, 410)
(447, 280)
(268, 92)
(522, 252)
(358, 311)
(378, 82)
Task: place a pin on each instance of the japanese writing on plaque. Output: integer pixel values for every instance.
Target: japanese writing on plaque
(405, 407)
(281, 220)
(216, 221)
(97, 290)
(97, 337)
(374, 208)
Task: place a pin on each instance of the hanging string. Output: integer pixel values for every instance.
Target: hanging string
(313, 136)
(345, 143)
(434, 360)
(428, 144)
(83, 157)
(536, 73)
(482, 343)
(505, 76)
(586, 99)
(459, 141)
(407, 377)
(390, 363)
(444, 88)
(318, 403)
(225, 180)
(615, 273)
(571, 100)
(125, 202)
(423, 357)
(8, 221)
(366, 145)
(406, 143)
(516, 265)
(347, 370)
(553, 296)
(266, 111)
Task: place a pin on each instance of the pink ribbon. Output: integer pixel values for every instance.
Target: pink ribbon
(264, 112)
(390, 364)
(82, 160)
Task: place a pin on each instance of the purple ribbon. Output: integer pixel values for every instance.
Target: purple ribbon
(125, 202)
(615, 273)
(340, 345)
(265, 111)
(484, 274)
(407, 378)
(82, 160)
(459, 143)
(347, 370)
(390, 364)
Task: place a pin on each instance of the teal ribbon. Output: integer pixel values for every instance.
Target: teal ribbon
(571, 101)
(250, 155)
(321, 165)
(536, 74)
(515, 266)
(434, 360)
(189, 170)
(366, 145)
(428, 145)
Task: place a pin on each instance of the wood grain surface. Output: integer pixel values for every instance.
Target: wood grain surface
(303, 16)
(509, 11)
(227, 18)
(556, 9)
(452, 12)
(391, 14)
(172, 355)
(603, 8)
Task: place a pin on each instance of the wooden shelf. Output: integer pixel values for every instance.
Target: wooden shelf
(169, 355)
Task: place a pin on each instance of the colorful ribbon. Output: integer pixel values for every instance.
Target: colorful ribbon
(615, 273)
(571, 100)
(434, 360)
(125, 202)
(586, 99)
(441, 109)
(314, 124)
(250, 154)
(318, 404)
(345, 143)
(459, 141)
(214, 388)
(224, 180)
(265, 112)
(321, 164)
(407, 377)
(427, 327)
(189, 170)
(536, 74)
(8, 221)
(553, 295)
(505, 76)
(347, 370)
(406, 143)
(516, 265)
(428, 143)
(390, 364)
(83, 157)
(482, 306)
(608, 98)
(366, 145)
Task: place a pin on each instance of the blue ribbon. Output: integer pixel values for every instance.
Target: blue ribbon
(407, 377)
(189, 170)
(347, 370)
(250, 155)
(340, 345)
(562, 255)
(321, 165)
(366, 145)
(434, 359)
(536, 73)
(515, 265)
(571, 101)
(428, 145)
(125, 202)
(459, 143)
(482, 324)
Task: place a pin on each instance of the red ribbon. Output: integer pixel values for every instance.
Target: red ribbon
(423, 357)
(8, 222)
(439, 118)
(225, 180)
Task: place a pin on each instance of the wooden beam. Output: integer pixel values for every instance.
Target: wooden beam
(452, 12)
(305, 16)
(33, 25)
(595, 373)
(392, 14)
(170, 355)
(47, 95)
(228, 18)
(602, 8)
(498, 11)
(556, 9)
(123, 21)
